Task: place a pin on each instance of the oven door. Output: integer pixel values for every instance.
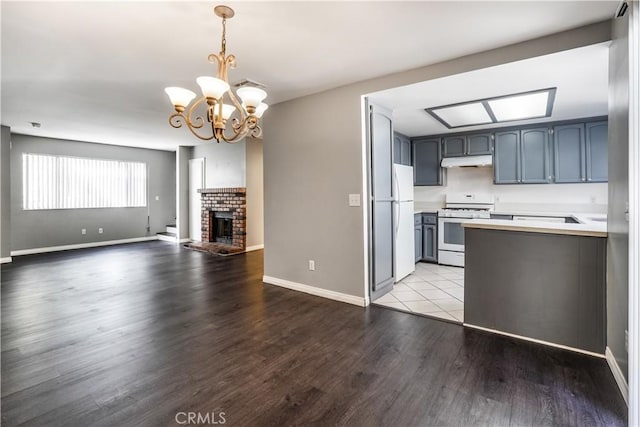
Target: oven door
(451, 234)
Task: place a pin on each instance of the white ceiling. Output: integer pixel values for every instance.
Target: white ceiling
(95, 71)
(580, 76)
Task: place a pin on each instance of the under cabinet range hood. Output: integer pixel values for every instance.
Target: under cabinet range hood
(467, 161)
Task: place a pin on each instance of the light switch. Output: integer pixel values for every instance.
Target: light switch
(157, 197)
(354, 199)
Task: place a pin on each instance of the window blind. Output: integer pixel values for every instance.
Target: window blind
(58, 182)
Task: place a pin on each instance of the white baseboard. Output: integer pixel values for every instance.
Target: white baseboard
(81, 246)
(254, 248)
(617, 374)
(184, 240)
(5, 260)
(325, 293)
(550, 344)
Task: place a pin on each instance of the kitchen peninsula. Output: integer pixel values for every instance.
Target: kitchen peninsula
(538, 280)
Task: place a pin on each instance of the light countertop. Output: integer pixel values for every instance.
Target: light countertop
(591, 225)
(425, 211)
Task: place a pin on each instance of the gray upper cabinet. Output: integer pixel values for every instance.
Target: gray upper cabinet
(401, 150)
(479, 144)
(506, 162)
(426, 162)
(534, 156)
(454, 146)
(596, 151)
(569, 153)
(466, 145)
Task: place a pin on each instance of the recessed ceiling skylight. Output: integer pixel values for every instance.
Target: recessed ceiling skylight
(518, 106)
(464, 115)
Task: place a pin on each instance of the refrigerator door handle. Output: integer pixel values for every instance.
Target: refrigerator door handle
(396, 202)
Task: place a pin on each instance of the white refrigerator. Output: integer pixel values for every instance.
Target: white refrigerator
(404, 254)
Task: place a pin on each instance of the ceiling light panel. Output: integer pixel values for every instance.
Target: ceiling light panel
(519, 107)
(462, 115)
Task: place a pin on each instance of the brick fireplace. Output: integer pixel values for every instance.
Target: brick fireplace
(218, 204)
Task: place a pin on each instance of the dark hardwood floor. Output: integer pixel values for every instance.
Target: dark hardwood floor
(131, 335)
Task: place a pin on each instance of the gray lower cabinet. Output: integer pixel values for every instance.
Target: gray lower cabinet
(417, 231)
(516, 283)
(426, 237)
(429, 243)
(426, 162)
(401, 150)
(596, 145)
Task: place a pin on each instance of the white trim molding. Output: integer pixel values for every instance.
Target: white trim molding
(547, 343)
(633, 350)
(324, 293)
(254, 248)
(617, 374)
(81, 246)
(5, 260)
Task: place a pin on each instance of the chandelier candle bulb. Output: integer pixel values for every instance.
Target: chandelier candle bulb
(227, 111)
(212, 103)
(260, 109)
(180, 97)
(251, 97)
(212, 87)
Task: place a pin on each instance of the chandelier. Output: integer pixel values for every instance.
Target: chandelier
(214, 89)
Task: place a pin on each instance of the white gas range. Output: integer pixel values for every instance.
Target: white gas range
(459, 207)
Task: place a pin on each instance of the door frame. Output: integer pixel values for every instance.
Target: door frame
(204, 180)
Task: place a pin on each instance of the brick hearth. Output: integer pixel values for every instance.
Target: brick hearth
(232, 200)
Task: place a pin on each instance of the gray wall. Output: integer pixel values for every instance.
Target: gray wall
(183, 154)
(255, 190)
(225, 164)
(37, 229)
(5, 193)
(313, 158)
(618, 226)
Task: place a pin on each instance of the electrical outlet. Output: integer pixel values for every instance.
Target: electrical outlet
(84, 231)
(593, 200)
(312, 265)
(157, 198)
(626, 340)
(100, 230)
(354, 199)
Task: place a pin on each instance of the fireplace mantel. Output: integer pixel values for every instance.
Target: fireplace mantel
(230, 190)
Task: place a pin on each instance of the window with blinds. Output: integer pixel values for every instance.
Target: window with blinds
(57, 182)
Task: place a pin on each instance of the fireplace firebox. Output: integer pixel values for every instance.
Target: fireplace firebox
(221, 227)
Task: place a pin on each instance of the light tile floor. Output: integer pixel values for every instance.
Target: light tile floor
(434, 290)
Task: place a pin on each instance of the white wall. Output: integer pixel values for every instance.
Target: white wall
(568, 198)
(255, 190)
(225, 164)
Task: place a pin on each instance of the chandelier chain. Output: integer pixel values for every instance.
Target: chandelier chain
(224, 35)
